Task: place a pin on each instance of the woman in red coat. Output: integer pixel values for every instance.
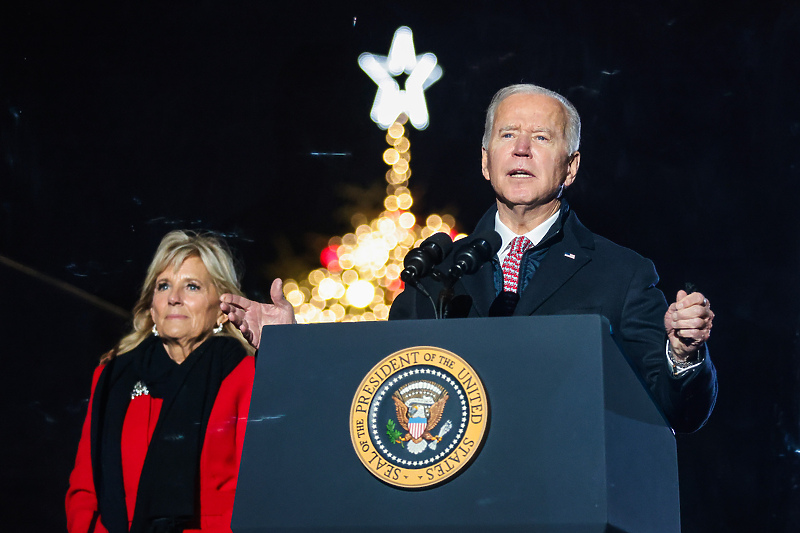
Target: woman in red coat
(162, 440)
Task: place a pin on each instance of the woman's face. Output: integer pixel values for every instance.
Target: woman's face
(185, 304)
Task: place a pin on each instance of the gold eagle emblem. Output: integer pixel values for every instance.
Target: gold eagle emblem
(419, 406)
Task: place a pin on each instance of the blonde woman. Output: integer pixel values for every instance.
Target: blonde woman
(162, 440)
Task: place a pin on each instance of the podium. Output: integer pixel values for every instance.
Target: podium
(574, 441)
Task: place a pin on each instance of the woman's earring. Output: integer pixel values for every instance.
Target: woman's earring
(155, 331)
(217, 329)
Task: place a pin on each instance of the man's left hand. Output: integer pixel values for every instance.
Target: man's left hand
(688, 323)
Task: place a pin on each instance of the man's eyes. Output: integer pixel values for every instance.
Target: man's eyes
(540, 138)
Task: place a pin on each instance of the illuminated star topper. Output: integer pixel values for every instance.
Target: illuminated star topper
(390, 100)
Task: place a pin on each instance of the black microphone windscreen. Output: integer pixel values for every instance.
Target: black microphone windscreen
(442, 240)
(481, 248)
(493, 239)
(420, 261)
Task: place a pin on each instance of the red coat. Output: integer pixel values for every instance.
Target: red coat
(219, 458)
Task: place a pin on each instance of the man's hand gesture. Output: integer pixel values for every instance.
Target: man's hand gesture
(250, 316)
(688, 323)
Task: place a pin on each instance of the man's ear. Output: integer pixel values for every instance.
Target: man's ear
(572, 168)
(485, 163)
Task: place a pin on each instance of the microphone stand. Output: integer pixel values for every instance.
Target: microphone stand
(414, 282)
(446, 294)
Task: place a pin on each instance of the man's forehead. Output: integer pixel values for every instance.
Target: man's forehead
(545, 111)
(515, 126)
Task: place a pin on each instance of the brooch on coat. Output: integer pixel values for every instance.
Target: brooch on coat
(139, 389)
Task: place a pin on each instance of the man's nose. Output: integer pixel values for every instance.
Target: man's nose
(522, 146)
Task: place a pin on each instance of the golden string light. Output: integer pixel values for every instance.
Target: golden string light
(360, 276)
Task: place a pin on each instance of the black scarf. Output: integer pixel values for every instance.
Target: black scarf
(168, 494)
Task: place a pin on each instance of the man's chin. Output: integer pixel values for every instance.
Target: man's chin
(515, 202)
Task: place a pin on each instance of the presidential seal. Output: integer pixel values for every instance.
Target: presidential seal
(418, 417)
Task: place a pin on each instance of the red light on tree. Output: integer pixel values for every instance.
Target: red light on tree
(395, 286)
(330, 259)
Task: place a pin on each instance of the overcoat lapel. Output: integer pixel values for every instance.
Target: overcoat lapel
(556, 269)
(562, 261)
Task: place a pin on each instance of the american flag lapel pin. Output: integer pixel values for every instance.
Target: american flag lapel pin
(571, 256)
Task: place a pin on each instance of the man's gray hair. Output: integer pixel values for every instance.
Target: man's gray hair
(573, 130)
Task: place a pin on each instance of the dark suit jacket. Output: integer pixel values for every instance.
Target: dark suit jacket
(583, 273)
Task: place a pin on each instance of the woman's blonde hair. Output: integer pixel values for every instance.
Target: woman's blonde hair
(175, 248)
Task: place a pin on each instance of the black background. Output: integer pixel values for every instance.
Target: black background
(121, 121)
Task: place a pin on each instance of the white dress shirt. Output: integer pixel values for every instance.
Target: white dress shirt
(535, 235)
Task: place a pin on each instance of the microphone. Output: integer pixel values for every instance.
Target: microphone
(470, 258)
(420, 261)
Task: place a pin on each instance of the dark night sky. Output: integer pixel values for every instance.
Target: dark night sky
(120, 123)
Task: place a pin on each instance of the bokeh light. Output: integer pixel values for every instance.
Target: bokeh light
(360, 274)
